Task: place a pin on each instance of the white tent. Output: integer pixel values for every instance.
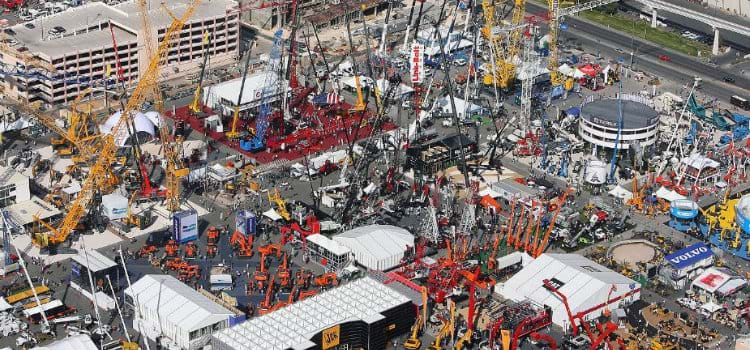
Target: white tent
(668, 195)
(272, 214)
(76, 342)
(444, 103)
(142, 122)
(170, 308)
(621, 193)
(377, 247)
(402, 89)
(584, 283)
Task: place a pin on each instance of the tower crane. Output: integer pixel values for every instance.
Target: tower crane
(195, 107)
(233, 134)
(270, 87)
(101, 168)
(504, 70)
(556, 78)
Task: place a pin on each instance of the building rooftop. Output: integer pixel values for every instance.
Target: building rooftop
(93, 260)
(604, 112)
(292, 327)
(176, 302)
(86, 27)
(22, 213)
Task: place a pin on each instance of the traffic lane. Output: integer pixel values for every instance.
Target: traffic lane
(624, 40)
(658, 68)
(733, 39)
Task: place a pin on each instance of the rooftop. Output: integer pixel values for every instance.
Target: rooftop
(22, 213)
(86, 26)
(635, 115)
(93, 260)
(177, 303)
(292, 326)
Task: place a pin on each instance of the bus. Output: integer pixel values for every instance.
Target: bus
(740, 102)
(26, 294)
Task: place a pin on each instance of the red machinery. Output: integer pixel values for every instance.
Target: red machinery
(290, 231)
(264, 306)
(11, 4)
(604, 331)
(524, 319)
(545, 338)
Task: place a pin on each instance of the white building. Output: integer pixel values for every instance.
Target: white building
(14, 187)
(169, 308)
(683, 265)
(377, 247)
(74, 48)
(223, 96)
(361, 314)
(327, 252)
(584, 283)
(600, 122)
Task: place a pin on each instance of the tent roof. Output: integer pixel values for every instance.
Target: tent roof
(76, 342)
(178, 303)
(621, 193)
(334, 247)
(95, 261)
(668, 195)
(584, 282)
(293, 326)
(380, 241)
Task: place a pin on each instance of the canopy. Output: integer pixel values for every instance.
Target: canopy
(668, 195)
(272, 214)
(402, 89)
(588, 70)
(142, 122)
(619, 192)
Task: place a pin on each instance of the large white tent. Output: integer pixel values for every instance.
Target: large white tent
(170, 308)
(584, 283)
(377, 247)
(76, 342)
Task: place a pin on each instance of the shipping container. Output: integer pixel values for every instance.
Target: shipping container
(185, 226)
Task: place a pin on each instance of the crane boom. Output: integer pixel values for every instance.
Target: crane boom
(79, 206)
(270, 88)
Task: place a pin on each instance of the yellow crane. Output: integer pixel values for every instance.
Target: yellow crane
(195, 107)
(504, 70)
(413, 342)
(106, 156)
(556, 78)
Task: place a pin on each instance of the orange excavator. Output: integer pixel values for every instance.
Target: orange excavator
(261, 275)
(243, 245)
(147, 249)
(264, 306)
(213, 239)
(283, 273)
(191, 251)
(269, 249)
(171, 248)
(537, 250)
(306, 294)
(176, 264)
(302, 279)
(327, 280)
(189, 271)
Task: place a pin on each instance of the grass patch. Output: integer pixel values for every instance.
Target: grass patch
(643, 30)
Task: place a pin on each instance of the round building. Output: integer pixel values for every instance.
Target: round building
(599, 121)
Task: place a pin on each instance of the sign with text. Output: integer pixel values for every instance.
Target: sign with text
(331, 337)
(417, 63)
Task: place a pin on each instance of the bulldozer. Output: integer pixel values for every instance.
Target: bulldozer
(326, 280)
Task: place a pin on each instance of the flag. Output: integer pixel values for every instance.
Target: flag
(108, 71)
(327, 99)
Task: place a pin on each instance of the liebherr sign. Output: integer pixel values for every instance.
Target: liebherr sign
(417, 63)
(689, 256)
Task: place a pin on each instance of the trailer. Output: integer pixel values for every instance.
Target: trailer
(28, 293)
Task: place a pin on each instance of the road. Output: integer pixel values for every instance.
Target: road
(681, 68)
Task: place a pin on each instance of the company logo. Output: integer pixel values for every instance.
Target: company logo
(331, 337)
(188, 227)
(119, 210)
(417, 61)
(689, 255)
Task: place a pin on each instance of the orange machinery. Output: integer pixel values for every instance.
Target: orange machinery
(302, 279)
(537, 250)
(176, 264)
(306, 294)
(326, 280)
(213, 240)
(283, 273)
(269, 249)
(147, 249)
(191, 251)
(171, 248)
(189, 271)
(242, 244)
(261, 274)
(264, 306)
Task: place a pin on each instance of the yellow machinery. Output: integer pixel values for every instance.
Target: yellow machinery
(360, 105)
(461, 341)
(233, 134)
(413, 342)
(101, 168)
(446, 330)
(556, 78)
(195, 107)
(280, 203)
(504, 71)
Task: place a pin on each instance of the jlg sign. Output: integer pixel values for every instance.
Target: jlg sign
(331, 337)
(417, 63)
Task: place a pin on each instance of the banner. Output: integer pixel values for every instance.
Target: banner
(417, 63)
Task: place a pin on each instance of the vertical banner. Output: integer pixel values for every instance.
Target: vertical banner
(417, 63)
